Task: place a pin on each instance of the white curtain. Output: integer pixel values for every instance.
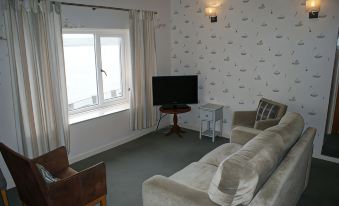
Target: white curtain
(143, 58)
(34, 35)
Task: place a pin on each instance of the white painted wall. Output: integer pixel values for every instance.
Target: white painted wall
(96, 135)
(105, 132)
(258, 48)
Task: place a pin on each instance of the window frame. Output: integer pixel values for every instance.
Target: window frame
(125, 68)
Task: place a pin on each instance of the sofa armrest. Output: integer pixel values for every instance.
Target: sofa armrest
(241, 135)
(244, 118)
(160, 190)
(264, 124)
(81, 188)
(54, 161)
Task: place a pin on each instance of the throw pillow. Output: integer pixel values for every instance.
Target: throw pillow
(240, 175)
(266, 110)
(46, 175)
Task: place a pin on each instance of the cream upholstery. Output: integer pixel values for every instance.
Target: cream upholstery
(241, 135)
(254, 162)
(240, 175)
(248, 118)
(159, 190)
(197, 175)
(218, 155)
(269, 169)
(289, 128)
(289, 180)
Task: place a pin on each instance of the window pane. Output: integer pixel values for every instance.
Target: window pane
(111, 65)
(81, 77)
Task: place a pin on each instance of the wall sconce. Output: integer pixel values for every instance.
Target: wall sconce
(212, 13)
(313, 7)
(211, 9)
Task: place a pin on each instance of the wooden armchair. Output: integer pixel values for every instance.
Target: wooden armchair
(3, 187)
(84, 188)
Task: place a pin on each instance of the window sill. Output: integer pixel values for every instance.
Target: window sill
(84, 116)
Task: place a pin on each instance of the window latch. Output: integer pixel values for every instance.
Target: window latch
(103, 71)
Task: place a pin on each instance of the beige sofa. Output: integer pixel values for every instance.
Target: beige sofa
(272, 168)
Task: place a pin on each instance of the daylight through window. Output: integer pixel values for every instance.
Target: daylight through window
(95, 64)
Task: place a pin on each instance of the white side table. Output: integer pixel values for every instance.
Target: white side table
(211, 114)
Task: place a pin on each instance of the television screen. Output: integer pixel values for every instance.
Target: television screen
(175, 90)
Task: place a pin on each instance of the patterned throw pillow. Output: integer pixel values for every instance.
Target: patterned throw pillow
(46, 175)
(266, 110)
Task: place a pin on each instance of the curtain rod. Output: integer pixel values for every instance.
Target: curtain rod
(95, 6)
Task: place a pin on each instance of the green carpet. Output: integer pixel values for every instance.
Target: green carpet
(130, 164)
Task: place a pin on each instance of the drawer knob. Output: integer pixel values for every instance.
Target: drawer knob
(206, 115)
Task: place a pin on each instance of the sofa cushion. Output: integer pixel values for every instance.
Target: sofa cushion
(289, 128)
(241, 135)
(243, 173)
(216, 156)
(197, 175)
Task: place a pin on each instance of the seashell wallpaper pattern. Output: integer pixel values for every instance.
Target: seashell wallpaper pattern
(258, 48)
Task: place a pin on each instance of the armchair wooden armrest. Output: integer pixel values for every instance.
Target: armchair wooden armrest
(81, 188)
(54, 161)
(244, 118)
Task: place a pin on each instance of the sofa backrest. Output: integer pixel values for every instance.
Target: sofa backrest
(286, 184)
(241, 175)
(289, 128)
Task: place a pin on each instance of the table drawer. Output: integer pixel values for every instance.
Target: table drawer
(206, 115)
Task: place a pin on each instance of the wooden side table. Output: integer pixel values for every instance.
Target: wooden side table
(211, 114)
(175, 111)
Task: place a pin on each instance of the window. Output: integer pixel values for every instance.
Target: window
(96, 68)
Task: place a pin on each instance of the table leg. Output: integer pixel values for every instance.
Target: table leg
(175, 129)
(201, 124)
(213, 131)
(4, 197)
(175, 120)
(221, 127)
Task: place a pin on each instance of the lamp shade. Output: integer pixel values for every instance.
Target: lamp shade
(213, 3)
(210, 11)
(313, 5)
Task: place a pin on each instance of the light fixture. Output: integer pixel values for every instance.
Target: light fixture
(212, 13)
(213, 3)
(211, 9)
(313, 7)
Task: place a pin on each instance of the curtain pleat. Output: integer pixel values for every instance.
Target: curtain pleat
(34, 33)
(143, 58)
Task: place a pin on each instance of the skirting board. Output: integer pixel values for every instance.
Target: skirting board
(113, 144)
(123, 140)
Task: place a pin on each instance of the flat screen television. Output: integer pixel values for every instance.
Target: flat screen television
(175, 91)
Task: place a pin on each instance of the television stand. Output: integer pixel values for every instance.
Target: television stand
(175, 111)
(175, 106)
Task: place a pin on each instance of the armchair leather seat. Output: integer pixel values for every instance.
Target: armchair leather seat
(68, 172)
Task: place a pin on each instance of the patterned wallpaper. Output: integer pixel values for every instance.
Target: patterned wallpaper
(258, 48)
